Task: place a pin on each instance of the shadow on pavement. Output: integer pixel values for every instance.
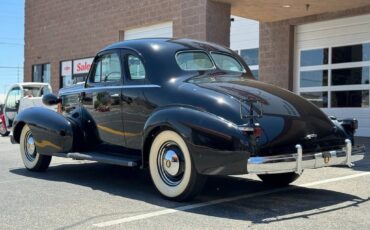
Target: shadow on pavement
(136, 184)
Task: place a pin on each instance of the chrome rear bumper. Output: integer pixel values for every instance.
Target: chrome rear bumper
(297, 162)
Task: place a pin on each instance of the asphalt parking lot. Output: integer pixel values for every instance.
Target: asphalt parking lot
(87, 195)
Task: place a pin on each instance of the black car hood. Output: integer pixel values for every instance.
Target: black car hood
(287, 119)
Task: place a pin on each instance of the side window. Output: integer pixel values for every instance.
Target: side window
(136, 68)
(108, 69)
(97, 75)
(13, 98)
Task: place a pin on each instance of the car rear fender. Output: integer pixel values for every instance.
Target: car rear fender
(217, 146)
(52, 132)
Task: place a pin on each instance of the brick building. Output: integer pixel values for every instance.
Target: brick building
(319, 49)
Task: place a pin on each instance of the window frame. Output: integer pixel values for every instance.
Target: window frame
(15, 109)
(42, 72)
(125, 53)
(195, 51)
(231, 56)
(92, 71)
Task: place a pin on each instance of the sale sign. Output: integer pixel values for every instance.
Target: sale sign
(82, 65)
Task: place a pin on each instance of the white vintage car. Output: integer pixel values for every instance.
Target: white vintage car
(19, 97)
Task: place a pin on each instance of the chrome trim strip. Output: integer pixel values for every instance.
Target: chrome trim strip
(80, 90)
(297, 162)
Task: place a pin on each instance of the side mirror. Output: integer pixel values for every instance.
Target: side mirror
(51, 99)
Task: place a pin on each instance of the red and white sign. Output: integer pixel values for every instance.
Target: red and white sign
(66, 68)
(82, 65)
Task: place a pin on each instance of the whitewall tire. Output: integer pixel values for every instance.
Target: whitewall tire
(32, 160)
(171, 167)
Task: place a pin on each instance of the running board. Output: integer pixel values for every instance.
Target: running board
(124, 160)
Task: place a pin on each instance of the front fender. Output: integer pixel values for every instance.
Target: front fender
(217, 146)
(52, 132)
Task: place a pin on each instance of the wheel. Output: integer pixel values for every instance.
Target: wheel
(171, 167)
(31, 159)
(280, 179)
(3, 131)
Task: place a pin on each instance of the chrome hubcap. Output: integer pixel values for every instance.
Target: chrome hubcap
(29, 147)
(171, 163)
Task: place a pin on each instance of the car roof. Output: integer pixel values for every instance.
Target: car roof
(175, 44)
(29, 84)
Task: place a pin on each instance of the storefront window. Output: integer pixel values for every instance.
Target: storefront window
(74, 71)
(41, 73)
(66, 73)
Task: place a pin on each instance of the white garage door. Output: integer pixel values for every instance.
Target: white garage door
(163, 30)
(332, 62)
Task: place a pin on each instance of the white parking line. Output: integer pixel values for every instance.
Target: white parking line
(314, 211)
(219, 201)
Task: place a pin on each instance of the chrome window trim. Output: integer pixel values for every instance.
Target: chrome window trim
(110, 87)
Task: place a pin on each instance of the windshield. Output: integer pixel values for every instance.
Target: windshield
(35, 91)
(227, 63)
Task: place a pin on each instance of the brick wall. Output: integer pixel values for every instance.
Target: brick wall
(277, 45)
(70, 29)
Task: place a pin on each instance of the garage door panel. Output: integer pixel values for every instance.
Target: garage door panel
(342, 41)
(353, 31)
(153, 31)
(343, 31)
(362, 115)
(244, 33)
(330, 24)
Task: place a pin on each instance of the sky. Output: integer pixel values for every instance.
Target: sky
(11, 42)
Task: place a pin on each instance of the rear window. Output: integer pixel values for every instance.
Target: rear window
(227, 63)
(194, 60)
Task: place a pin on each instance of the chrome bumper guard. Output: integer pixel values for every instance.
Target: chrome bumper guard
(297, 162)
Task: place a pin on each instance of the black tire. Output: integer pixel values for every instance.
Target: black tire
(3, 131)
(172, 169)
(32, 160)
(280, 179)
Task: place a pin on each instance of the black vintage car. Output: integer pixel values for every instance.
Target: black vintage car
(184, 109)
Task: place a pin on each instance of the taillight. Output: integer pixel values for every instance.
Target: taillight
(255, 130)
